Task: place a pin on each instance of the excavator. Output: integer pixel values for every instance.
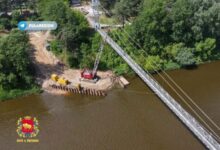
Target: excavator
(91, 75)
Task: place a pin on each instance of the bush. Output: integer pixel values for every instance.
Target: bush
(73, 61)
(56, 46)
(15, 18)
(185, 57)
(205, 48)
(170, 65)
(5, 23)
(153, 63)
(6, 95)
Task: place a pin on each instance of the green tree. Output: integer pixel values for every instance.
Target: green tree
(5, 23)
(152, 27)
(55, 11)
(172, 50)
(178, 30)
(153, 63)
(5, 6)
(15, 68)
(205, 48)
(195, 20)
(185, 57)
(108, 4)
(16, 16)
(125, 9)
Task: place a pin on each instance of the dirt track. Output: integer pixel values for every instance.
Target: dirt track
(46, 64)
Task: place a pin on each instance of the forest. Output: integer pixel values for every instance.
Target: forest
(158, 34)
(169, 33)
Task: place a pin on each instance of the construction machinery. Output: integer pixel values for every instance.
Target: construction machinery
(91, 75)
(54, 77)
(86, 74)
(61, 81)
(64, 82)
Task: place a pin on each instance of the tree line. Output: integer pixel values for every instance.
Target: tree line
(174, 33)
(77, 43)
(13, 11)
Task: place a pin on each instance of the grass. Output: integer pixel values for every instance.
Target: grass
(3, 33)
(107, 20)
(7, 95)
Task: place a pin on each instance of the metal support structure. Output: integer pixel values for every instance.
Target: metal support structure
(199, 131)
(98, 57)
(95, 7)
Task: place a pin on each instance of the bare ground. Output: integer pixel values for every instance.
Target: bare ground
(46, 64)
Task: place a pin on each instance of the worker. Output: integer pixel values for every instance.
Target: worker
(79, 86)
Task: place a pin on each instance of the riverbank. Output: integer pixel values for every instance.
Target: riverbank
(125, 119)
(11, 94)
(46, 64)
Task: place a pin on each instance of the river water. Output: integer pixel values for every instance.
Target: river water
(130, 119)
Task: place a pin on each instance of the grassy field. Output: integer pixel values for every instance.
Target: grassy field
(6, 95)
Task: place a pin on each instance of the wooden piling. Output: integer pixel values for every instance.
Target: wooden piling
(84, 91)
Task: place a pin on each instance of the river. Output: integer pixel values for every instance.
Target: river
(126, 119)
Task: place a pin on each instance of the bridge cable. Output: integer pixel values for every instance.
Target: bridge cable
(187, 104)
(174, 88)
(214, 134)
(178, 86)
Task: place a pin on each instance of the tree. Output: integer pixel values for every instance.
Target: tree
(205, 48)
(53, 10)
(124, 9)
(16, 16)
(153, 63)
(72, 29)
(185, 57)
(15, 68)
(108, 4)
(172, 50)
(5, 22)
(5, 6)
(152, 27)
(194, 21)
(178, 30)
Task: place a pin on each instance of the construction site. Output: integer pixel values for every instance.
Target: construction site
(56, 78)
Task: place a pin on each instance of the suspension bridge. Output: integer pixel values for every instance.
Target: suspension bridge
(195, 127)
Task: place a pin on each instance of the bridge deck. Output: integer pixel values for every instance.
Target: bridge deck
(201, 133)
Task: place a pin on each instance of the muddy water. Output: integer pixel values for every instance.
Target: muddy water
(131, 119)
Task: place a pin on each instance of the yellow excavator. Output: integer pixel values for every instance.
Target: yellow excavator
(61, 81)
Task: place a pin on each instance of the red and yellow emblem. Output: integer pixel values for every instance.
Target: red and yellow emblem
(27, 127)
